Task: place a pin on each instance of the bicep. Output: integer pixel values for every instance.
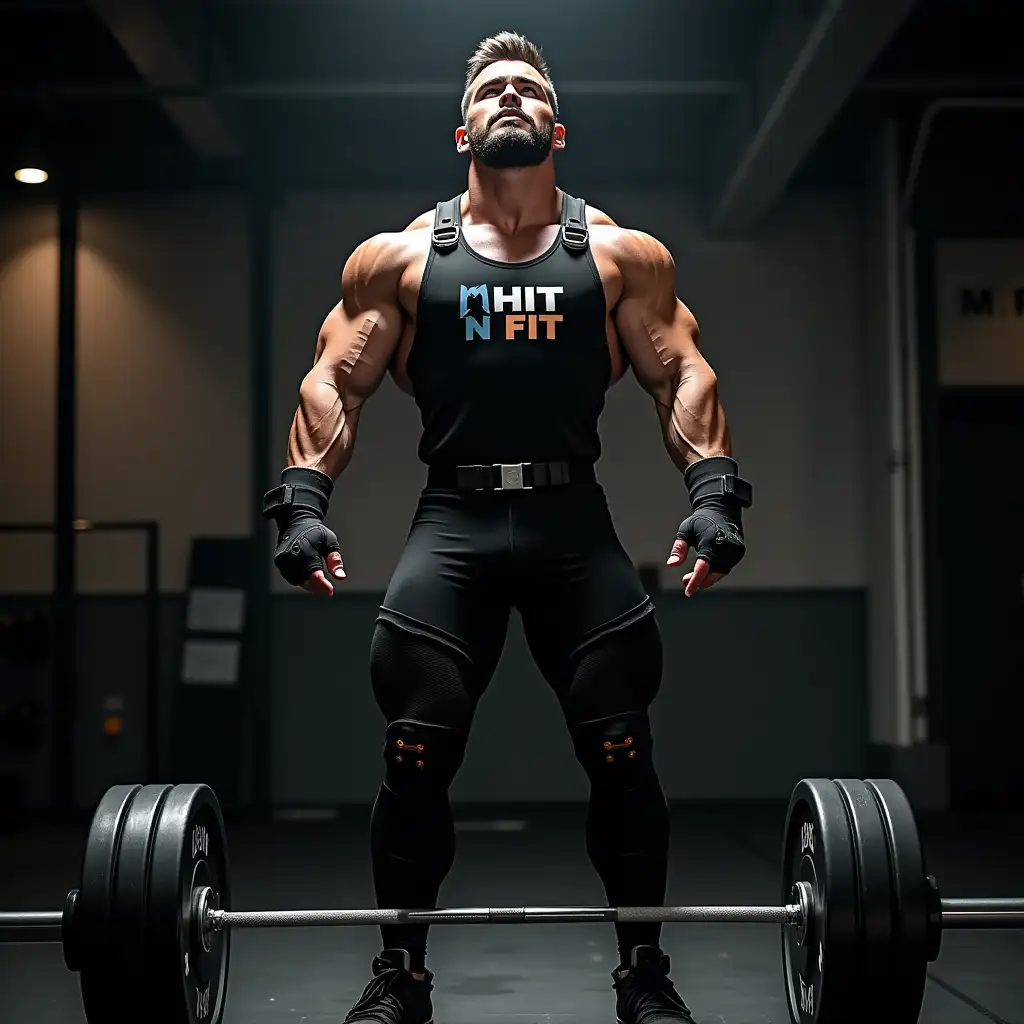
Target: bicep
(361, 334)
(329, 325)
(661, 339)
(658, 331)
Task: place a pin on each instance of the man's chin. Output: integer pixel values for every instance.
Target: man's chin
(509, 147)
(510, 161)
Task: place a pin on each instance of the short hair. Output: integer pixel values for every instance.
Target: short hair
(507, 46)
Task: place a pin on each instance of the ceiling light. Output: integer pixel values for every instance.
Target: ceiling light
(31, 175)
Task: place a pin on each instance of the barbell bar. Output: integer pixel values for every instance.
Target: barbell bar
(988, 913)
(151, 920)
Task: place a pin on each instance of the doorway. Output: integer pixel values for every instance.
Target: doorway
(980, 577)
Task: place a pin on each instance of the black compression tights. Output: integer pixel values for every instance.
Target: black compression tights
(428, 693)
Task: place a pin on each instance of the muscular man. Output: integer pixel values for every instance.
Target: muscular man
(507, 313)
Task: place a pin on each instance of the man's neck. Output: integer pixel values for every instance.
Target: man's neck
(514, 198)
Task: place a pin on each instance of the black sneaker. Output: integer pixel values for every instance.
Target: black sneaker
(644, 994)
(393, 995)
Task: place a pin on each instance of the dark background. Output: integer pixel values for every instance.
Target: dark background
(211, 165)
(839, 184)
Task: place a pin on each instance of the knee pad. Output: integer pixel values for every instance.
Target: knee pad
(614, 751)
(422, 759)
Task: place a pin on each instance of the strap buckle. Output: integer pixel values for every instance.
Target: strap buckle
(446, 237)
(511, 477)
(575, 237)
(738, 489)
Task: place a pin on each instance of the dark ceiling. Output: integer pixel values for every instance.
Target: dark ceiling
(335, 92)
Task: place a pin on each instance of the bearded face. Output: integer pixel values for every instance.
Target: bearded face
(510, 120)
(510, 139)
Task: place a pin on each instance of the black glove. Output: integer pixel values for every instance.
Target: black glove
(714, 529)
(298, 506)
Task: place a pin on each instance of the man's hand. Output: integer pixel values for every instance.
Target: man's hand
(714, 528)
(717, 542)
(307, 552)
(318, 583)
(307, 549)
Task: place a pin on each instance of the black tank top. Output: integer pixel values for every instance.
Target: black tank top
(510, 361)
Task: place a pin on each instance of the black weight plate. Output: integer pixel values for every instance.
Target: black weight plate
(910, 886)
(130, 903)
(821, 973)
(187, 979)
(106, 992)
(99, 870)
(875, 899)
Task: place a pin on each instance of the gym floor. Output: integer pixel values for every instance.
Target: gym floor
(555, 974)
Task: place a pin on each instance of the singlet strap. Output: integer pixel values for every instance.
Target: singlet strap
(575, 234)
(447, 221)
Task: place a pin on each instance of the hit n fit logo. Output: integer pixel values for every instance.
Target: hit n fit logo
(519, 304)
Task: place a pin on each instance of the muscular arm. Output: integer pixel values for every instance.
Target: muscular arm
(661, 338)
(354, 347)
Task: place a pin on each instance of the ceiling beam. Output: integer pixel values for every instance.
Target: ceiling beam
(313, 90)
(813, 57)
(171, 49)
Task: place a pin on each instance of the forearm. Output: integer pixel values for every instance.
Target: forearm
(323, 431)
(694, 421)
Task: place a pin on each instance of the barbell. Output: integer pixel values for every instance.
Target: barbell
(148, 928)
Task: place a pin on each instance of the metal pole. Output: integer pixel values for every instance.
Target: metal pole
(983, 913)
(897, 440)
(30, 919)
(915, 553)
(260, 610)
(65, 666)
(154, 760)
(223, 919)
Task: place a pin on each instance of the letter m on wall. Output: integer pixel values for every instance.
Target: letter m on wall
(481, 327)
(976, 302)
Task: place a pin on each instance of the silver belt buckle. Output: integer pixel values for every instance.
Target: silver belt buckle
(512, 477)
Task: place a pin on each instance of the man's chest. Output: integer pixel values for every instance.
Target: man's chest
(514, 266)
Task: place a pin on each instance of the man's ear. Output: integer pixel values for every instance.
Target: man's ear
(462, 139)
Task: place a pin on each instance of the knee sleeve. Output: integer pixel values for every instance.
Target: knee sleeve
(422, 759)
(627, 819)
(615, 752)
(411, 832)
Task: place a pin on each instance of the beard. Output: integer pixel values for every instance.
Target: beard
(518, 143)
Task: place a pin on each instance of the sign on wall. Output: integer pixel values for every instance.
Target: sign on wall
(981, 312)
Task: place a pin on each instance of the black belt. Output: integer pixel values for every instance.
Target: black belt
(519, 476)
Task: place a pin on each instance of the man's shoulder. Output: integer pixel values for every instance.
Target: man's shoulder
(388, 252)
(631, 242)
(629, 246)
